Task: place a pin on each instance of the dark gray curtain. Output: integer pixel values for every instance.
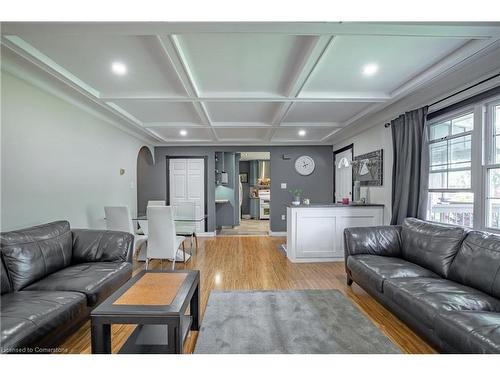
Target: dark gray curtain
(407, 171)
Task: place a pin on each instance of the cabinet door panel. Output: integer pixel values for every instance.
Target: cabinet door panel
(317, 235)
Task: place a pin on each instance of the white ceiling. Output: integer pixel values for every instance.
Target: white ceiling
(246, 83)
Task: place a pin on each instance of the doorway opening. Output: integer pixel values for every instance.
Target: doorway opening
(343, 182)
(243, 193)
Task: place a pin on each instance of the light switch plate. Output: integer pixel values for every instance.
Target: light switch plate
(283, 185)
(283, 217)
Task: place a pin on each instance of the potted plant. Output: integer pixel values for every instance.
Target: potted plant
(296, 193)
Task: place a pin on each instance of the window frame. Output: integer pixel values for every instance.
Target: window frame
(489, 162)
(473, 134)
(482, 156)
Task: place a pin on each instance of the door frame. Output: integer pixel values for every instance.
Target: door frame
(338, 151)
(205, 193)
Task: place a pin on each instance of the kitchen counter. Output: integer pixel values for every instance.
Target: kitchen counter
(326, 205)
(315, 232)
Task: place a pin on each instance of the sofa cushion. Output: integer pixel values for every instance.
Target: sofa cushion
(477, 263)
(102, 246)
(28, 316)
(375, 269)
(426, 297)
(96, 280)
(30, 254)
(430, 245)
(381, 240)
(4, 279)
(469, 331)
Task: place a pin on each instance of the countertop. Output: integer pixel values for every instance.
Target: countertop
(221, 201)
(326, 205)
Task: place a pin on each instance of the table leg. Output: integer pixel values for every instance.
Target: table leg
(100, 338)
(194, 309)
(175, 335)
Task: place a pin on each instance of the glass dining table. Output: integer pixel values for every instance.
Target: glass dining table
(185, 226)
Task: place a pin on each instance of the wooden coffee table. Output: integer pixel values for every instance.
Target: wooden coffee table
(157, 302)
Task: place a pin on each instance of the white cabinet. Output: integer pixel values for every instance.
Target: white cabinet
(315, 233)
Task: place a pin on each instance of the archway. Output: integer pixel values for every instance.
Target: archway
(145, 171)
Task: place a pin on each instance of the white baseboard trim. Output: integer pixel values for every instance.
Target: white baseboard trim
(316, 260)
(206, 234)
(277, 234)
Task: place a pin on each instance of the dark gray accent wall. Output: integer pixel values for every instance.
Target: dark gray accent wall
(245, 203)
(145, 170)
(318, 187)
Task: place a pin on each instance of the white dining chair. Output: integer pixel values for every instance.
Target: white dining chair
(163, 243)
(144, 223)
(156, 203)
(119, 219)
(186, 210)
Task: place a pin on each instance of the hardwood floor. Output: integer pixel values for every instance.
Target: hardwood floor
(247, 227)
(252, 263)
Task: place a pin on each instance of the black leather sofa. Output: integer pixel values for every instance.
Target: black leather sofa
(442, 281)
(52, 277)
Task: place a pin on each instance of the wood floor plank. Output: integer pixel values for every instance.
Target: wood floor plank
(255, 263)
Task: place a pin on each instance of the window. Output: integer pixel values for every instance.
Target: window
(451, 198)
(464, 167)
(493, 166)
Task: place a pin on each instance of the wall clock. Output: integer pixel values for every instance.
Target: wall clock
(304, 165)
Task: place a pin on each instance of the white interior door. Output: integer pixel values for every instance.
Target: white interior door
(187, 184)
(343, 176)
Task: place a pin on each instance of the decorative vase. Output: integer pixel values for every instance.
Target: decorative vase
(296, 201)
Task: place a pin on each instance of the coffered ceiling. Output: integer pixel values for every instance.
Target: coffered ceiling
(246, 83)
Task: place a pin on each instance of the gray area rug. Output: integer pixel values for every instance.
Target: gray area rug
(295, 321)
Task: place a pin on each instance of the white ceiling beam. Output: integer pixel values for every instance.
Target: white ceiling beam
(173, 50)
(462, 30)
(311, 59)
(338, 97)
(297, 83)
(236, 125)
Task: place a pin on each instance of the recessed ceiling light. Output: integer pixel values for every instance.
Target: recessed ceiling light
(183, 133)
(119, 68)
(302, 133)
(370, 69)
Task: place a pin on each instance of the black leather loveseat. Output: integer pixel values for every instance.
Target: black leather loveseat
(443, 281)
(52, 277)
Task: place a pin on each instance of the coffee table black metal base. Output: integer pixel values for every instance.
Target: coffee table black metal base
(160, 329)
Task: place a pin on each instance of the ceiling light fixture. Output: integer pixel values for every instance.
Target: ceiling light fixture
(119, 68)
(370, 69)
(302, 133)
(183, 133)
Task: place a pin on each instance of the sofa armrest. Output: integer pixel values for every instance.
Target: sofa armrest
(382, 240)
(102, 246)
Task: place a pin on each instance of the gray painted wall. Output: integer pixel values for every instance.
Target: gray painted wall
(245, 204)
(144, 163)
(318, 186)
